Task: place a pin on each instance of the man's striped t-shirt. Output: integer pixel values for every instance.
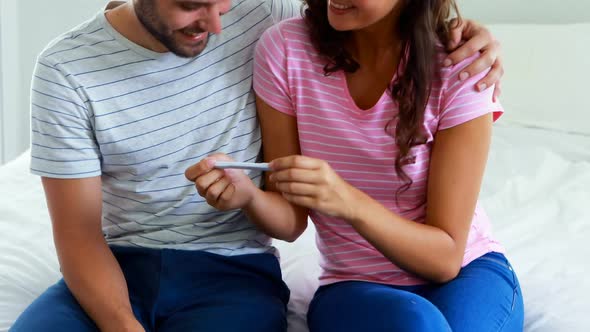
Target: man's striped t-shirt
(104, 106)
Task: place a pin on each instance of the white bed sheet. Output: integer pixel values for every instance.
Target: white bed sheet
(536, 190)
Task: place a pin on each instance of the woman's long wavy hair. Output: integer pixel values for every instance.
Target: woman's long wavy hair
(422, 24)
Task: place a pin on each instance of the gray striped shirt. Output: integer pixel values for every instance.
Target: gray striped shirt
(104, 106)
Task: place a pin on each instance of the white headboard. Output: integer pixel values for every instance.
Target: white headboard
(526, 11)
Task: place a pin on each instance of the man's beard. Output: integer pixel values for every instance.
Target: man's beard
(146, 13)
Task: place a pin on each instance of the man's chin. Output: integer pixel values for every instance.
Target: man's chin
(186, 51)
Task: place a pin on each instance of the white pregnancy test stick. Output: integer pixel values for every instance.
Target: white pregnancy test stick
(240, 165)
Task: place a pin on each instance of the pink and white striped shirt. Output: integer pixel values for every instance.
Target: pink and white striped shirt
(289, 76)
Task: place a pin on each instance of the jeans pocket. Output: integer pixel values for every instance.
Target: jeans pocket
(496, 258)
(501, 260)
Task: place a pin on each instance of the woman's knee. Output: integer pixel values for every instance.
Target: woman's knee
(371, 307)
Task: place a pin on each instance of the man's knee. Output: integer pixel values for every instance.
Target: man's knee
(55, 310)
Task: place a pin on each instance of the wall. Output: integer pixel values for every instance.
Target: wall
(26, 26)
(526, 11)
(9, 80)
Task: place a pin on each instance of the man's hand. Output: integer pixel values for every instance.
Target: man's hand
(223, 189)
(465, 40)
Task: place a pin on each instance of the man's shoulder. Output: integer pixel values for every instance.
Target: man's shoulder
(278, 9)
(85, 33)
(267, 4)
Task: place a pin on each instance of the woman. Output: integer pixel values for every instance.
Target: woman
(393, 147)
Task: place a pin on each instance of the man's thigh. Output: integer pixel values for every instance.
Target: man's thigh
(245, 314)
(207, 292)
(55, 310)
(58, 310)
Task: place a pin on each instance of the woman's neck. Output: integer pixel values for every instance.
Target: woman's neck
(371, 45)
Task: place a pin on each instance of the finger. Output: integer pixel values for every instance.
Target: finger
(203, 182)
(470, 48)
(297, 188)
(215, 190)
(455, 32)
(497, 91)
(294, 162)
(481, 64)
(227, 194)
(493, 77)
(198, 169)
(295, 175)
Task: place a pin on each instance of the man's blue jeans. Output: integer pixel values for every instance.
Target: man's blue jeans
(173, 290)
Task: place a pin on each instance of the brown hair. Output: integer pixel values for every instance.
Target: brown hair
(421, 24)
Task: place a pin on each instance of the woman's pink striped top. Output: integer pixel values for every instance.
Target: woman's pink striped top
(289, 76)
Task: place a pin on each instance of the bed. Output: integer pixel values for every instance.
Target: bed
(536, 191)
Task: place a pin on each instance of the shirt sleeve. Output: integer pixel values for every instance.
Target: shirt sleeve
(461, 101)
(63, 143)
(284, 9)
(271, 71)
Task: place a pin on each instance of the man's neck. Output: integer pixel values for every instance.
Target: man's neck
(121, 15)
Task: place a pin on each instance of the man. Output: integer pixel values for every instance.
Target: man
(121, 106)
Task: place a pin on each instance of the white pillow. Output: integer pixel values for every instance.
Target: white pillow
(546, 80)
(28, 262)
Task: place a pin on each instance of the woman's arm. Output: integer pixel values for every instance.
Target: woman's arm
(433, 250)
(280, 138)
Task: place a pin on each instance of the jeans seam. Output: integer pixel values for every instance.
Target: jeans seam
(507, 265)
(514, 294)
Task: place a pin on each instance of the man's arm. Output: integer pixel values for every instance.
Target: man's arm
(89, 268)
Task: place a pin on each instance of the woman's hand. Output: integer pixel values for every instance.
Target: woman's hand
(465, 40)
(223, 189)
(313, 184)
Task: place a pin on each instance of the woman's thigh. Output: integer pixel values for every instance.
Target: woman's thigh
(485, 296)
(363, 306)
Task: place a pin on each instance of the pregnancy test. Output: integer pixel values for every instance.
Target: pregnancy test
(240, 165)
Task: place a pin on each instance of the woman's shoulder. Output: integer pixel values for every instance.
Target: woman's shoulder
(291, 37)
(291, 30)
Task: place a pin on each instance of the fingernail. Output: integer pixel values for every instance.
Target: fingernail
(482, 87)
(271, 178)
(464, 75)
(447, 62)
